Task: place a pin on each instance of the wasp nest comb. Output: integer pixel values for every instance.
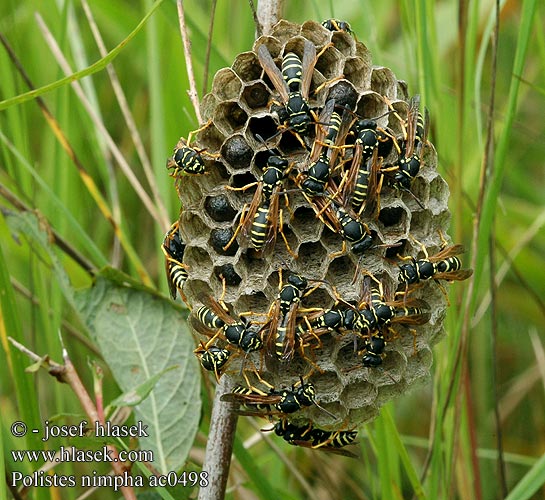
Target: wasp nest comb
(307, 198)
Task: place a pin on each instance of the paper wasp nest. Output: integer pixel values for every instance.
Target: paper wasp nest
(239, 111)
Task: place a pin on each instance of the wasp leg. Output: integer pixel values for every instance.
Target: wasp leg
(239, 227)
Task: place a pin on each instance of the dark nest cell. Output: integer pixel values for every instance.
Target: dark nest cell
(237, 152)
(219, 209)
(219, 239)
(228, 273)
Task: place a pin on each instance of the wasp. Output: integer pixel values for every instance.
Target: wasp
(292, 83)
(283, 315)
(332, 137)
(185, 158)
(379, 313)
(336, 25)
(212, 358)
(283, 401)
(262, 219)
(416, 136)
(352, 230)
(308, 436)
(173, 248)
(443, 265)
(214, 320)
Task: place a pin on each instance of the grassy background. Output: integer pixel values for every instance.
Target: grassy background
(493, 361)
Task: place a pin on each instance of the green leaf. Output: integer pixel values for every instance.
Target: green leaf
(137, 395)
(141, 335)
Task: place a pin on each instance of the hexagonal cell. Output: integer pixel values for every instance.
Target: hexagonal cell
(237, 152)
(211, 137)
(348, 360)
(228, 273)
(371, 106)
(344, 94)
(421, 191)
(198, 261)
(344, 43)
(198, 288)
(358, 73)
(289, 144)
(341, 272)
(255, 95)
(320, 298)
(316, 33)
(399, 249)
(330, 63)
(261, 158)
(219, 238)
(256, 302)
(208, 104)
(263, 126)
(274, 46)
(226, 85)
(392, 216)
(359, 394)
(359, 416)
(284, 30)
(328, 386)
(247, 66)
(439, 189)
(305, 224)
(402, 91)
(219, 208)
(400, 108)
(229, 117)
(243, 180)
(384, 82)
(192, 226)
(388, 391)
(313, 254)
(323, 420)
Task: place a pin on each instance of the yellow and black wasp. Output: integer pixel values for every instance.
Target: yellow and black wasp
(187, 159)
(382, 313)
(283, 401)
(414, 141)
(214, 321)
(331, 131)
(212, 357)
(292, 83)
(309, 436)
(176, 271)
(337, 25)
(444, 265)
(262, 219)
(282, 335)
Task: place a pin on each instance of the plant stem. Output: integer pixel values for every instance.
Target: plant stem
(219, 447)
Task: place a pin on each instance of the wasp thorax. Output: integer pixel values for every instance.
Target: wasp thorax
(308, 191)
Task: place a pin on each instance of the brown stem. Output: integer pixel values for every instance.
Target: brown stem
(269, 12)
(219, 447)
(67, 374)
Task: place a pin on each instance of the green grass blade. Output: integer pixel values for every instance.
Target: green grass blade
(97, 66)
(399, 447)
(530, 483)
(259, 480)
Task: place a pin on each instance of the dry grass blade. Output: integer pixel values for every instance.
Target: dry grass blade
(122, 162)
(129, 120)
(192, 92)
(86, 178)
